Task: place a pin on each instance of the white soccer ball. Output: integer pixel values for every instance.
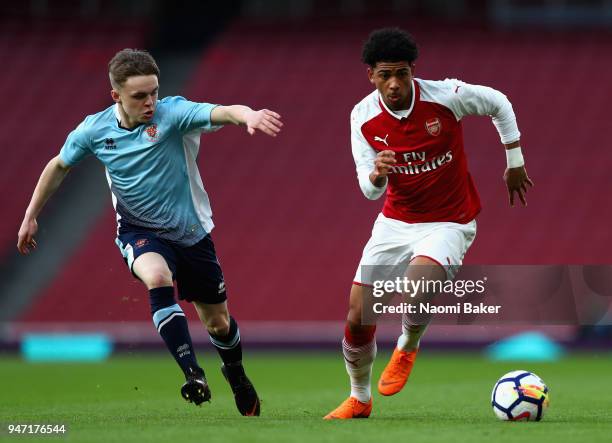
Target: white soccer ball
(520, 395)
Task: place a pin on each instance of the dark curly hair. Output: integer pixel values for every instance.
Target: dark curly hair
(389, 45)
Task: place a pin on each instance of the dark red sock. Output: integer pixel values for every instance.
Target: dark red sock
(360, 336)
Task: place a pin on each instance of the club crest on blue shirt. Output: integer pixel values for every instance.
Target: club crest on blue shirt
(152, 133)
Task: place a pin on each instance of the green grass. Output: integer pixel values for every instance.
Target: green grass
(136, 399)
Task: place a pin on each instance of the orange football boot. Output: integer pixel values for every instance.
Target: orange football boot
(395, 375)
(350, 408)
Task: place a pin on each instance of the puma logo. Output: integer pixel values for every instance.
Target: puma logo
(387, 383)
(384, 140)
(352, 362)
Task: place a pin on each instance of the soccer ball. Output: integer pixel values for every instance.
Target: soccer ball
(519, 395)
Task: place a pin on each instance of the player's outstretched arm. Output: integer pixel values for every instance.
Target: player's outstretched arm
(469, 99)
(515, 176)
(50, 179)
(263, 120)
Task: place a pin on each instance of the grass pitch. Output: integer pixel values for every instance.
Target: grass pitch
(135, 398)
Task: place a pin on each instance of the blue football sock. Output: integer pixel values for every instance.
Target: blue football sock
(229, 346)
(171, 323)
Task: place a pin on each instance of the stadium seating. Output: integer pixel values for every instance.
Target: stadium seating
(291, 219)
(53, 75)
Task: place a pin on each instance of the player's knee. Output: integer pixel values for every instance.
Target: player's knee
(354, 314)
(157, 278)
(356, 300)
(218, 325)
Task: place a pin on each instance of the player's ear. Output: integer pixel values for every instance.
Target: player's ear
(115, 96)
(371, 74)
(412, 68)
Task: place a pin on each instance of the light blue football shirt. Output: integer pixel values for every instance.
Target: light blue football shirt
(151, 169)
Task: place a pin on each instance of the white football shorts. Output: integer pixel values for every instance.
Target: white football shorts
(395, 243)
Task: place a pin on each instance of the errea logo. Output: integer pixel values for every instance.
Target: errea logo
(110, 144)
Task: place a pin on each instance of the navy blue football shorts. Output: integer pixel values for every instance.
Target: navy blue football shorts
(195, 269)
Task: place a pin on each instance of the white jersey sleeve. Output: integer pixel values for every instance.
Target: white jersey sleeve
(467, 99)
(364, 156)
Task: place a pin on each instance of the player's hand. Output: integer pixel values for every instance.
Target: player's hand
(383, 163)
(516, 181)
(25, 237)
(263, 120)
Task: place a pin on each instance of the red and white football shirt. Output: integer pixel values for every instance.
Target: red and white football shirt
(430, 182)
